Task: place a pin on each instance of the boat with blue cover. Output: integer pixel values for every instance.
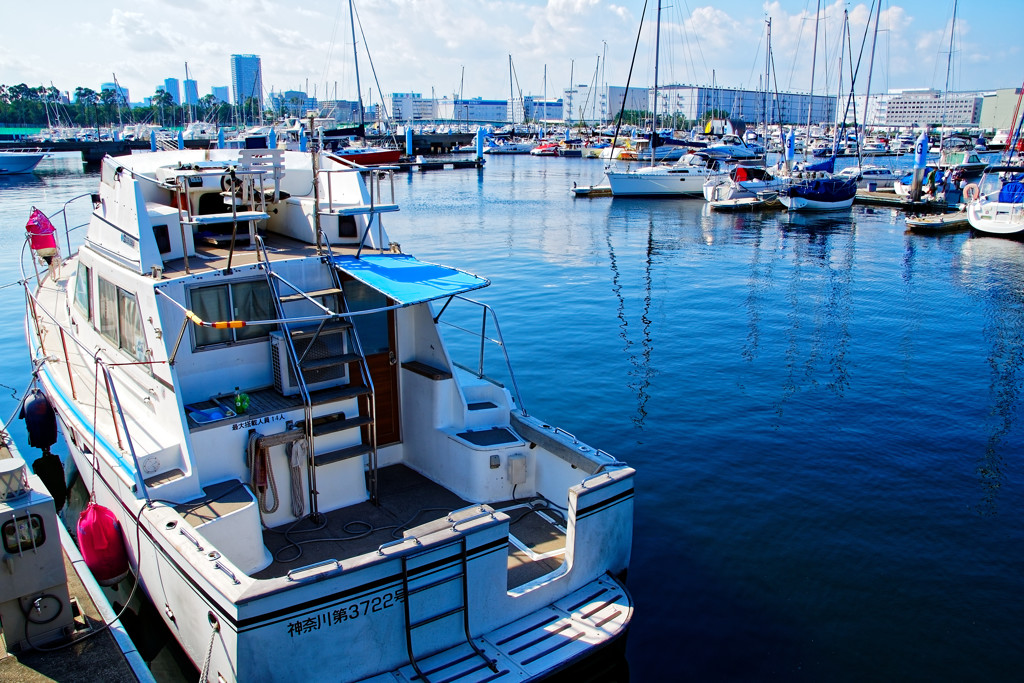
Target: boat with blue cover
(306, 457)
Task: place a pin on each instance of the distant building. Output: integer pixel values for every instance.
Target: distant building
(926, 107)
(694, 102)
(220, 93)
(191, 91)
(171, 87)
(246, 78)
(475, 110)
(342, 111)
(292, 102)
(122, 93)
(600, 105)
(536, 109)
(408, 107)
(997, 109)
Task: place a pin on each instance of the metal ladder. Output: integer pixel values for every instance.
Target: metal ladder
(331, 321)
(410, 625)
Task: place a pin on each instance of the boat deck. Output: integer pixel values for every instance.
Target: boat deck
(408, 499)
(215, 255)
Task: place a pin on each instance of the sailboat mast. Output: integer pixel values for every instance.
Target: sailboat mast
(871, 66)
(355, 55)
(511, 95)
(949, 66)
(767, 75)
(654, 105)
(810, 95)
(840, 127)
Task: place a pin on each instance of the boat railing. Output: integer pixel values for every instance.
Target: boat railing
(120, 422)
(486, 313)
(373, 184)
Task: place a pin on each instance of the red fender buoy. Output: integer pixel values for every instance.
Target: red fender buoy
(101, 544)
(41, 233)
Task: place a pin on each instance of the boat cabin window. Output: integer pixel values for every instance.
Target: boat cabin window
(83, 290)
(120, 319)
(234, 301)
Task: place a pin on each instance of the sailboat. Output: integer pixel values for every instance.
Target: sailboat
(342, 141)
(683, 178)
(815, 188)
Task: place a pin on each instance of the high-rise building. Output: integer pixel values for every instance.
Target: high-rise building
(191, 91)
(122, 93)
(172, 87)
(246, 78)
(219, 92)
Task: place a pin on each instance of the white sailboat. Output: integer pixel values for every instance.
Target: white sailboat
(682, 178)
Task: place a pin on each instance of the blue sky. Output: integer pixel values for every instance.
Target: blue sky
(443, 47)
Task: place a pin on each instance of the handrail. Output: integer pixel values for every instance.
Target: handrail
(190, 537)
(308, 567)
(484, 513)
(364, 367)
(499, 341)
(116, 411)
(398, 541)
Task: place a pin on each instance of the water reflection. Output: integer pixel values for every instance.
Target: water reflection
(813, 256)
(641, 372)
(992, 269)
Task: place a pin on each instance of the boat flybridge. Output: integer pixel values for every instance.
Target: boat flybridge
(311, 484)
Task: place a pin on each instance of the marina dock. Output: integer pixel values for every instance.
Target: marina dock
(891, 199)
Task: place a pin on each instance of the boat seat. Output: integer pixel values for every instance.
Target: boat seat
(1012, 193)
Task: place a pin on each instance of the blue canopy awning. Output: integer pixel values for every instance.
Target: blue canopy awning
(407, 280)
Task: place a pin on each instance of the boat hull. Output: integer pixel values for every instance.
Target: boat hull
(810, 204)
(996, 218)
(369, 156)
(658, 181)
(12, 163)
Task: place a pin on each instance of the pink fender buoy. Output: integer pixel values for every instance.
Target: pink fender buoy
(101, 544)
(41, 233)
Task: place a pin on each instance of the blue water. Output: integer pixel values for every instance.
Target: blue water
(824, 411)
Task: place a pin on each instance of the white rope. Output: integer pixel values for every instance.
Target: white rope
(205, 675)
(298, 452)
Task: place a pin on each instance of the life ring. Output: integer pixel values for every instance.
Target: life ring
(972, 192)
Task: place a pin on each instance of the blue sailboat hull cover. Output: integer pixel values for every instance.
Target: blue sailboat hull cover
(407, 280)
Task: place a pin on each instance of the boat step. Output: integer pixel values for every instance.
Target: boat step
(332, 394)
(164, 478)
(356, 451)
(329, 362)
(437, 617)
(482, 405)
(213, 218)
(433, 584)
(333, 327)
(312, 295)
(338, 423)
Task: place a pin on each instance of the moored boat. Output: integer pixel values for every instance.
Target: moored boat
(818, 192)
(938, 222)
(12, 163)
(995, 206)
(867, 175)
(298, 460)
(684, 178)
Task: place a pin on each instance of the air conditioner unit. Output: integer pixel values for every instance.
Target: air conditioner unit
(330, 343)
